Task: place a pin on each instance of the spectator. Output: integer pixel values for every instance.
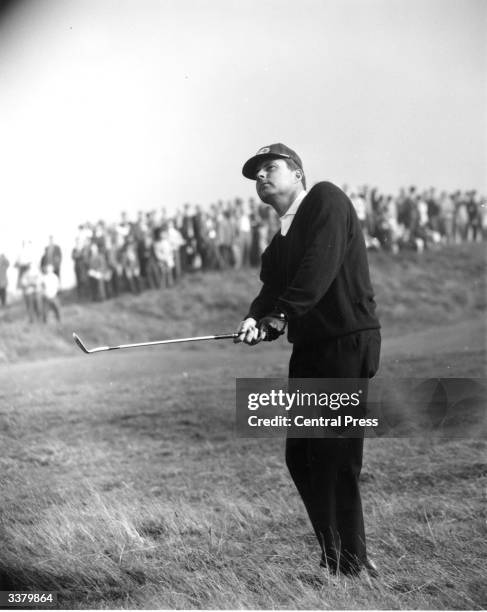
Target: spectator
(360, 206)
(165, 257)
(130, 265)
(483, 217)
(421, 225)
(244, 237)
(24, 261)
(140, 227)
(114, 262)
(97, 268)
(177, 243)
(461, 218)
(30, 290)
(80, 257)
(434, 210)
(186, 228)
(234, 234)
(390, 213)
(373, 201)
(53, 257)
(447, 215)
(213, 258)
(473, 214)
(149, 268)
(225, 238)
(383, 229)
(124, 226)
(4, 266)
(85, 234)
(199, 235)
(49, 284)
(406, 209)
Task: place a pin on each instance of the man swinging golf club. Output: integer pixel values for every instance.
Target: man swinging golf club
(316, 283)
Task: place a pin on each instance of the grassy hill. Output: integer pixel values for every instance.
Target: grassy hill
(413, 291)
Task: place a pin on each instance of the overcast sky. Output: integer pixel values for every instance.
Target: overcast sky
(111, 105)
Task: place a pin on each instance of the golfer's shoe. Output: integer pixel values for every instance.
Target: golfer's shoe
(368, 567)
(328, 564)
(371, 569)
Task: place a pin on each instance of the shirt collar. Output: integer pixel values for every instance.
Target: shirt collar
(292, 210)
(288, 216)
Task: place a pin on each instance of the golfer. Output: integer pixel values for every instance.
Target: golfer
(316, 283)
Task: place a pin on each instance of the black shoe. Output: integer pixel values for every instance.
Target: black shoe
(329, 565)
(370, 568)
(367, 568)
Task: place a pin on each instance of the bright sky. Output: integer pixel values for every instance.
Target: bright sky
(111, 105)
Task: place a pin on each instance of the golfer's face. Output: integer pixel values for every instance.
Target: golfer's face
(273, 178)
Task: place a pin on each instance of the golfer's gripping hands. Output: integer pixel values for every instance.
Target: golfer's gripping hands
(269, 328)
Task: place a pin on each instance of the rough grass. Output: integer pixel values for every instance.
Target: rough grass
(117, 501)
(123, 484)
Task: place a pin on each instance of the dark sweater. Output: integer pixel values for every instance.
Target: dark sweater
(318, 274)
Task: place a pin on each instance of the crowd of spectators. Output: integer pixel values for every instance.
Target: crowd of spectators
(419, 220)
(38, 280)
(154, 250)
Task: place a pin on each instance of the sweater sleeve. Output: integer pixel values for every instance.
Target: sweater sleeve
(268, 294)
(323, 256)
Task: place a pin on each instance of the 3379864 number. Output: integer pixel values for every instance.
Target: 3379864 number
(27, 598)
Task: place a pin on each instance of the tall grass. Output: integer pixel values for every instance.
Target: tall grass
(123, 485)
(126, 504)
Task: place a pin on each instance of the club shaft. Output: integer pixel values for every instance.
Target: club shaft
(156, 342)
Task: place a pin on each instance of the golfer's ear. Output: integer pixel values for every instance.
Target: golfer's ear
(299, 174)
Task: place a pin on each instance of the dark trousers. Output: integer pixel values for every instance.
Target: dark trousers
(50, 304)
(32, 306)
(326, 470)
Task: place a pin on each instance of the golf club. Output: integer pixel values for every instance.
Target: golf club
(99, 349)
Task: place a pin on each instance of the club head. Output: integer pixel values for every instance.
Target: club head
(77, 339)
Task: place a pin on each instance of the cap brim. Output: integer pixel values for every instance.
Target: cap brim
(249, 169)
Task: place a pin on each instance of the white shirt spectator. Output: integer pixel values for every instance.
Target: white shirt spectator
(50, 285)
(164, 252)
(84, 235)
(462, 214)
(423, 212)
(360, 206)
(123, 229)
(244, 223)
(26, 255)
(175, 237)
(30, 281)
(447, 206)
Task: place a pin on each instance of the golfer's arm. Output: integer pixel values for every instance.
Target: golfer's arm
(265, 301)
(320, 263)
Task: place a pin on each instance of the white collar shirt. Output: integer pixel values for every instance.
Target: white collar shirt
(288, 216)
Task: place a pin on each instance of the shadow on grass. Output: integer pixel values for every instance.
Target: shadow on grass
(70, 588)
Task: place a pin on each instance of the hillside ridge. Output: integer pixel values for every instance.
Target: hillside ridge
(414, 291)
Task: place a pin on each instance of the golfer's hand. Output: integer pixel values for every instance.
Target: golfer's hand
(248, 332)
(271, 327)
